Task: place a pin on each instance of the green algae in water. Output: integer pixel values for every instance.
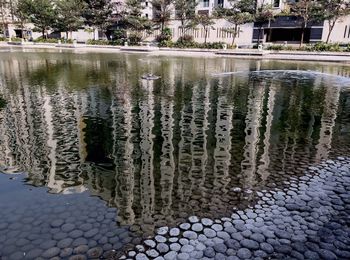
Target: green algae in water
(2, 102)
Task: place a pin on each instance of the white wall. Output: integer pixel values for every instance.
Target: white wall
(340, 33)
(215, 35)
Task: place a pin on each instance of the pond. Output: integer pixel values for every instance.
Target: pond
(95, 157)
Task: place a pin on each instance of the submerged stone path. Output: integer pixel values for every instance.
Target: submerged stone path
(308, 220)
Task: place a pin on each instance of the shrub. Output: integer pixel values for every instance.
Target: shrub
(135, 39)
(276, 47)
(3, 39)
(164, 39)
(97, 42)
(15, 39)
(104, 42)
(321, 46)
(2, 102)
(44, 40)
(119, 36)
(347, 48)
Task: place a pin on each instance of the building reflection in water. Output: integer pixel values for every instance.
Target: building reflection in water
(161, 150)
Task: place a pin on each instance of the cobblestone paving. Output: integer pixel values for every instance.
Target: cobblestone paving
(308, 220)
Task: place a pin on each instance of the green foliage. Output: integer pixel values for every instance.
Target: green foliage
(240, 12)
(134, 22)
(276, 47)
(104, 42)
(347, 49)
(162, 10)
(3, 39)
(332, 11)
(46, 40)
(41, 13)
(98, 13)
(2, 102)
(135, 38)
(189, 43)
(185, 12)
(206, 22)
(120, 34)
(321, 46)
(69, 15)
(16, 39)
(164, 38)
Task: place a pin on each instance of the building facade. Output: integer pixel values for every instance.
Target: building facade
(283, 29)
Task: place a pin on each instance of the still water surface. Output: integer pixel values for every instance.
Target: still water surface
(143, 154)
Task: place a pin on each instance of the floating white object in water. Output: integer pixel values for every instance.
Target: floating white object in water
(150, 76)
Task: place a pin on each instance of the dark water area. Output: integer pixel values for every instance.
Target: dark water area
(99, 145)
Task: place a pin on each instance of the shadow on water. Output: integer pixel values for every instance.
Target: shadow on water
(157, 151)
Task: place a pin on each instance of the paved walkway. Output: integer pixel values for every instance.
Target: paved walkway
(340, 57)
(308, 220)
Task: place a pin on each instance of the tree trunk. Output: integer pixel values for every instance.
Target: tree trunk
(234, 34)
(331, 26)
(66, 35)
(259, 33)
(205, 35)
(22, 31)
(43, 33)
(302, 36)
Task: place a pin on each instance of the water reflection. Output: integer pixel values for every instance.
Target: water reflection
(161, 150)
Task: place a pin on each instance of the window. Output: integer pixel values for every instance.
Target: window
(346, 29)
(205, 3)
(276, 3)
(146, 3)
(221, 3)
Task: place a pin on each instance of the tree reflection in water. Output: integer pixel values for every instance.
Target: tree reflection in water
(162, 150)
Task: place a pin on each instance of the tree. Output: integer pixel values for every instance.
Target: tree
(333, 11)
(206, 22)
(239, 13)
(3, 14)
(40, 12)
(98, 14)
(69, 15)
(162, 10)
(308, 11)
(22, 17)
(185, 11)
(133, 20)
(262, 14)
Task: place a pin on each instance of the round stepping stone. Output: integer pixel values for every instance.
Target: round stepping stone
(141, 256)
(64, 243)
(183, 256)
(197, 227)
(193, 219)
(68, 227)
(162, 248)
(51, 252)
(95, 252)
(57, 223)
(190, 235)
(160, 239)
(162, 230)
(150, 243)
(217, 227)
(244, 253)
(207, 221)
(266, 247)
(175, 247)
(209, 233)
(185, 226)
(187, 248)
(152, 253)
(174, 232)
